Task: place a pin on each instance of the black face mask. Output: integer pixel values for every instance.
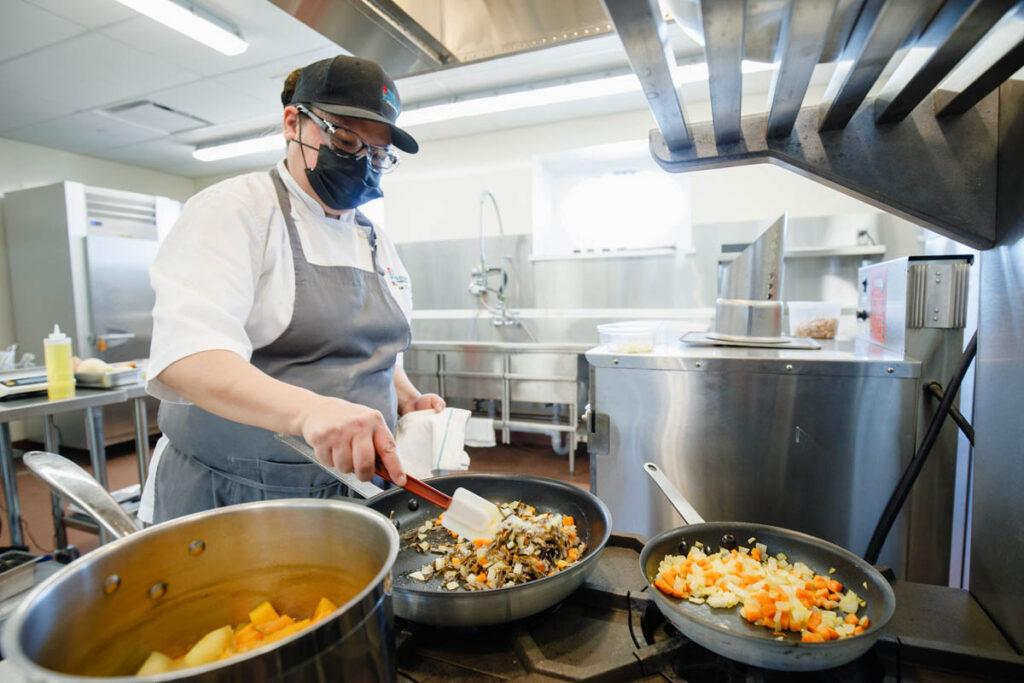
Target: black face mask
(342, 182)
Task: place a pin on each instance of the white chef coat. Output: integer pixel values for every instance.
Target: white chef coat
(224, 278)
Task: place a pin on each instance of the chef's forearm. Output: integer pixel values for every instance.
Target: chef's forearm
(225, 384)
(404, 389)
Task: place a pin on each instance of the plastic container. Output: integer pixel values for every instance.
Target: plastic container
(630, 336)
(815, 319)
(60, 369)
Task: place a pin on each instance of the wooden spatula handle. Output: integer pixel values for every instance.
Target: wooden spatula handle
(416, 487)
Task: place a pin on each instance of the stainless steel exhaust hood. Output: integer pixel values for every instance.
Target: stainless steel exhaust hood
(909, 151)
(409, 37)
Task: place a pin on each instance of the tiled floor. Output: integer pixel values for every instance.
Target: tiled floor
(527, 454)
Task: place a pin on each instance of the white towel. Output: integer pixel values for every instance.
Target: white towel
(429, 442)
(480, 432)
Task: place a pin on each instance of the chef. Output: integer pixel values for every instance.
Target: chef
(281, 308)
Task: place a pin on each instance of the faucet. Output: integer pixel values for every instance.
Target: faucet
(479, 286)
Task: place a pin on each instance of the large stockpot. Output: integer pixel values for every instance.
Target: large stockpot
(164, 587)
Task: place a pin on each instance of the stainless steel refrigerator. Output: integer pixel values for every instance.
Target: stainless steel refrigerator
(79, 257)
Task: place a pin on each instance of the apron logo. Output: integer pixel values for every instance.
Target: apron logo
(398, 281)
(388, 98)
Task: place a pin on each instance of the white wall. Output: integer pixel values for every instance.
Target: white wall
(434, 195)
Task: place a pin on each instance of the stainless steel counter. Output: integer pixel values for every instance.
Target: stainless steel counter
(808, 440)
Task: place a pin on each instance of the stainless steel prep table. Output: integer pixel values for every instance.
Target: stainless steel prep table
(92, 402)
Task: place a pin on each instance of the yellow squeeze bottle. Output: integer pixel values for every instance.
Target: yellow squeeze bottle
(60, 370)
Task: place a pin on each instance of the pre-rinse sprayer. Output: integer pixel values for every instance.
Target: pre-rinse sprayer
(479, 284)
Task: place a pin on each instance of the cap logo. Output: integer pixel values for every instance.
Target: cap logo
(388, 98)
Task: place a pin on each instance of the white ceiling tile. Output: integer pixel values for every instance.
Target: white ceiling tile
(16, 112)
(25, 27)
(269, 32)
(83, 133)
(265, 80)
(88, 13)
(215, 101)
(159, 154)
(88, 71)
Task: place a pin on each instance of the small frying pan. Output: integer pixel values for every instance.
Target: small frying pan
(724, 631)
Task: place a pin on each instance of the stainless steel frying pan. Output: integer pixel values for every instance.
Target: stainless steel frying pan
(724, 631)
(430, 602)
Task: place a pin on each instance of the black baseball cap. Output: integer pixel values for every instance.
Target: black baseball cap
(357, 88)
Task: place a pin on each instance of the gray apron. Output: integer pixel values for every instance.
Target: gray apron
(343, 339)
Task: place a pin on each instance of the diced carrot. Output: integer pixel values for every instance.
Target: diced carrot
(865, 622)
(247, 638)
(481, 577)
(852, 619)
(481, 542)
(574, 554)
(275, 625)
(858, 630)
(814, 620)
(755, 553)
(567, 520)
(456, 562)
(784, 621)
(823, 632)
(832, 633)
(835, 597)
(808, 637)
(776, 633)
(751, 610)
(820, 582)
(661, 585)
(835, 586)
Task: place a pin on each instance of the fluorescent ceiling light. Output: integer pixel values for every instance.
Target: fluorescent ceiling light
(556, 94)
(237, 148)
(192, 22)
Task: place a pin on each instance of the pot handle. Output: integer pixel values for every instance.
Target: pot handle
(70, 481)
(674, 495)
(298, 444)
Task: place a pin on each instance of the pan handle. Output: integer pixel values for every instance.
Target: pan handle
(70, 481)
(299, 445)
(674, 495)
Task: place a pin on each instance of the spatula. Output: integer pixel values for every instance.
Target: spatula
(466, 513)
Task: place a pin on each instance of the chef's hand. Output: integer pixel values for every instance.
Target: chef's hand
(350, 436)
(423, 402)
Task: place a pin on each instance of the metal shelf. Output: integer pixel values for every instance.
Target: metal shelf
(820, 252)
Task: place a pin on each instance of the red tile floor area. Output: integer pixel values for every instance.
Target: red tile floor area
(527, 453)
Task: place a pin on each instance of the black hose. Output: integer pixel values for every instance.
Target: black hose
(935, 389)
(899, 495)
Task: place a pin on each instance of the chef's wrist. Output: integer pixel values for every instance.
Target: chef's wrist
(409, 404)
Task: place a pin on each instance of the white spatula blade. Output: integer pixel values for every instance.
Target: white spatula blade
(471, 516)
